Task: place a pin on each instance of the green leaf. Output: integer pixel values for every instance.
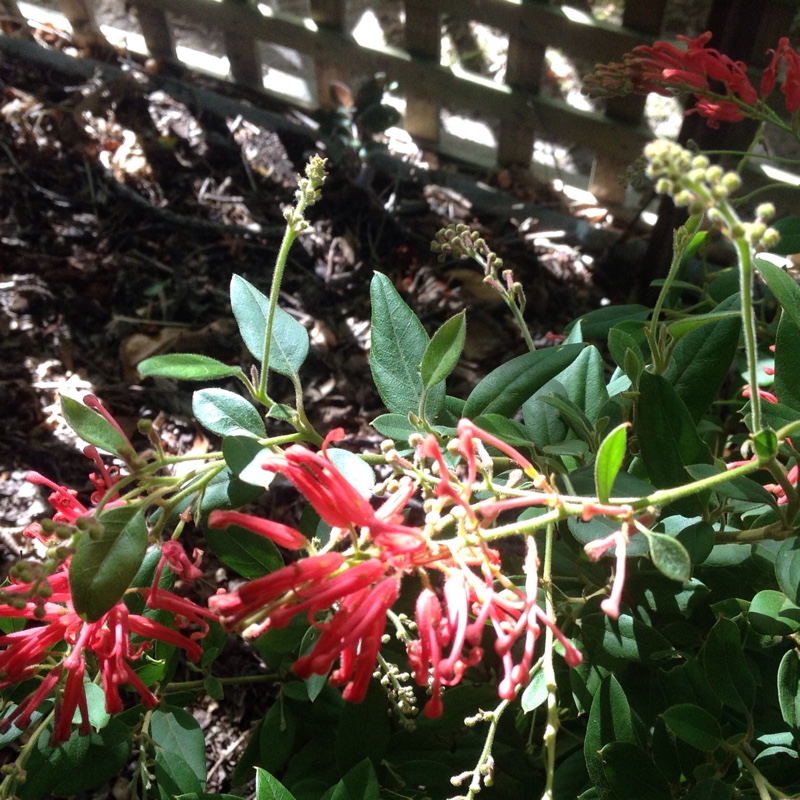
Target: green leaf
(92, 427)
(687, 683)
(76, 766)
(787, 362)
(535, 692)
(443, 351)
(765, 443)
(226, 413)
(625, 350)
(180, 751)
(610, 720)
(702, 359)
(398, 345)
(627, 768)
(394, 426)
(710, 789)
(102, 569)
(584, 381)
(698, 539)
(506, 388)
(694, 725)
(783, 286)
(789, 229)
(681, 327)
(96, 705)
(270, 788)
(789, 688)
(596, 324)
(668, 438)
(509, 430)
(277, 737)
(239, 452)
(358, 473)
(289, 343)
(610, 456)
(246, 552)
(363, 730)
(186, 367)
(787, 569)
(726, 666)
(669, 556)
(768, 614)
(741, 488)
(358, 783)
(623, 639)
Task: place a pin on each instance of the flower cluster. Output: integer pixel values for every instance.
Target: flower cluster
(721, 87)
(57, 645)
(347, 590)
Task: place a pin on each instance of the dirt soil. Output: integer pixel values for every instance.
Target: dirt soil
(123, 215)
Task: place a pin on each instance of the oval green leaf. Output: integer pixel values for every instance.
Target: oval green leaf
(669, 556)
(627, 768)
(783, 286)
(397, 347)
(789, 689)
(186, 367)
(771, 613)
(289, 343)
(92, 427)
(694, 725)
(506, 388)
(226, 413)
(610, 456)
(102, 569)
(443, 351)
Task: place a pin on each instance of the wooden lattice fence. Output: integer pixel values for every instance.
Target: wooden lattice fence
(523, 113)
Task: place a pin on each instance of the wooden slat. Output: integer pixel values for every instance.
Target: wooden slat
(11, 11)
(524, 69)
(157, 31)
(85, 30)
(547, 25)
(608, 169)
(430, 80)
(423, 35)
(330, 16)
(243, 57)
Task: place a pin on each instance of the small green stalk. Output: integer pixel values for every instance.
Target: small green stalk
(307, 194)
(551, 730)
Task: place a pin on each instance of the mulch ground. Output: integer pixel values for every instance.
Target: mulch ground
(123, 215)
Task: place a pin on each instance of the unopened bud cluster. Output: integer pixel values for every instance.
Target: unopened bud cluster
(690, 179)
(308, 192)
(458, 241)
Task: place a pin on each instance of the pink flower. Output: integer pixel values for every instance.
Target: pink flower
(762, 393)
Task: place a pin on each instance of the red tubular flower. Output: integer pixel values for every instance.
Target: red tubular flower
(762, 393)
(354, 636)
(253, 596)
(791, 84)
(24, 654)
(282, 535)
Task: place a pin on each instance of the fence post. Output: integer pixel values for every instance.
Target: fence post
(423, 36)
(328, 14)
(524, 70)
(157, 32)
(645, 17)
(85, 30)
(243, 57)
(13, 14)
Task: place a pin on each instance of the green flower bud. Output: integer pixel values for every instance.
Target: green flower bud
(765, 211)
(731, 181)
(770, 238)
